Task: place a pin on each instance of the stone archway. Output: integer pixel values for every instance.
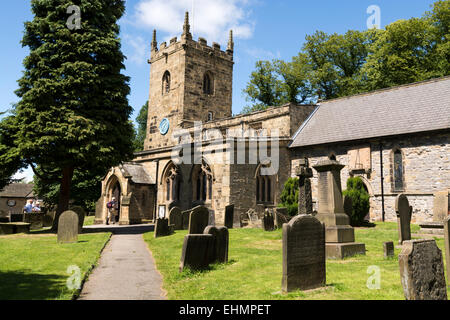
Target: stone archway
(368, 187)
(114, 189)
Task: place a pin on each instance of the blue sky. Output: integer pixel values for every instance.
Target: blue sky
(263, 30)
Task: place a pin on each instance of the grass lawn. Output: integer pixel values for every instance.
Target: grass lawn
(254, 270)
(34, 266)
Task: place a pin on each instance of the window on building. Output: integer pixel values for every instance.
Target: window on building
(208, 83)
(203, 180)
(166, 83)
(264, 188)
(210, 116)
(398, 171)
(172, 183)
(332, 157)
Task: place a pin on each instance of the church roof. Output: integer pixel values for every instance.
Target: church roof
(18, 190)
(137, 173)
(413, 108)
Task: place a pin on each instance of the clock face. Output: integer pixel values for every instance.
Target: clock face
(11, 203)
(164, 126)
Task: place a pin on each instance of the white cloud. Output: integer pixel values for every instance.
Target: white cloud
(26, 174)
(262, 54)
(140, 49)
(212, 19)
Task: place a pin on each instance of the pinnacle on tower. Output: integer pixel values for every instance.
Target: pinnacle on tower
(186, 27)
(154, 43)
(230, 47)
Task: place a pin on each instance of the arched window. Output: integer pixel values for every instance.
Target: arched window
(203, 180)
(208, 83)
(332, 157)
(172, 180)
(398, 171)
(166, 83)
(264, 188)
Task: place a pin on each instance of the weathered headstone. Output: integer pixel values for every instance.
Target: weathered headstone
(447, 246)
(303, 254)
(176, 218)
(229, 216)
(304, 174)
(422, 271)
(281, 217)
(388, 249)
(162, 228)
(198, 220)
(81, 215)
(268, 220)
(404, 212)
(340, 236)
(197, 251)
(185, 215)
(211, 218)
(441, 206)
(68, 227)
(220, 243)
(99, 210)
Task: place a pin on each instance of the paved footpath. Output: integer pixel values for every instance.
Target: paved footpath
(126, 269)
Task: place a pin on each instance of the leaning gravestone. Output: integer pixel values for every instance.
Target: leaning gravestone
(303, 254)
(268, 220)
(68, 227)
(176, 218)
(185, 216)
(219, 253)
(81, 215)
(422, 271)
(229, 216)
(404, 212)
(197, 251)
(162, 228)
(388, 249)
(198, 220)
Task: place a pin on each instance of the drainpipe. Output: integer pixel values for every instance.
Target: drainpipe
(156, 191)
(383, 213)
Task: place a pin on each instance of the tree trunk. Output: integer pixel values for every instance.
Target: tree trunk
(64, 195)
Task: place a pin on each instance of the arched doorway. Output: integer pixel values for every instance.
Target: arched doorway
(117, 193)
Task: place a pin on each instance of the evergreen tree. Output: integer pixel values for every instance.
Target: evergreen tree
(141, 133)
(73, 112)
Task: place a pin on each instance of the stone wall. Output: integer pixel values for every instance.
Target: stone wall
(426, 160)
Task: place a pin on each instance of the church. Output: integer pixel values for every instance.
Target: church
(197, 153)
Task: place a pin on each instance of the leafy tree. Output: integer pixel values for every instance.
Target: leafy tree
(360, 200)
(289, 196)
(73, 115)
(439, 17)
(141, 129)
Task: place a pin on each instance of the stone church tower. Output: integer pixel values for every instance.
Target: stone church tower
(189, 81)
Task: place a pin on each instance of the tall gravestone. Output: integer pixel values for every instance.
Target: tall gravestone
(68, 227)
(304, 174)
(268, 220)
(441, 206)
(229, 216)
(197, 251)
(198, 220)
(404, 212)
(422, 271)
(162, 228)
(219, 253)
(339, 235)
(447, 245)
(304, 261)
(81, 216)
(176, 218)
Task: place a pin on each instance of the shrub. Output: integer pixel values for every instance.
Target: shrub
(360, 200)
(289, 196)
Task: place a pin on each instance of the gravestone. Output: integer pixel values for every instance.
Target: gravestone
(268, 220)
(162, 228)
(388, 249)
(185, 216)
(260, 208)
(254, 219)
(81, 215)
(422, 271)
(229, 216)
(211, 218)
(447, 245)
(99, 209)
(34, 219)
(304, 195)
(68, 227)
(196, 252)
(176, 218)
(281, 217)
(303, 254)
(404, 212)
(47, 221)
(339, 235)
(219, 252)
(441, 209)
(198, 220)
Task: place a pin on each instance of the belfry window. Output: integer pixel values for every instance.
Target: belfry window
(166, 83)
(208, 83)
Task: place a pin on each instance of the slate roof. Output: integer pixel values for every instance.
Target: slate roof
(137, 172)
(417, 107)
(18, 190)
